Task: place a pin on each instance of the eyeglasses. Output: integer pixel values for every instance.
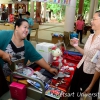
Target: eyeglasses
(94, 19)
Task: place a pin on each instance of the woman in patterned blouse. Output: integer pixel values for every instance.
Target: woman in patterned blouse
(86, 76)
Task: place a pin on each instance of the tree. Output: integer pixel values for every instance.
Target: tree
(58, 10)
(85, 8)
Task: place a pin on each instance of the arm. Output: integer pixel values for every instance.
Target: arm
(33, 56)
(95, 78)
(79, 49)
(32, 23)
(74, 43)
(46, 66)
(76, 25)
(83, 25)
(5, 56)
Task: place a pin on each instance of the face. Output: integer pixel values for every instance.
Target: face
(22, 31)
(81, 18)
(95, 22)
(27, 16)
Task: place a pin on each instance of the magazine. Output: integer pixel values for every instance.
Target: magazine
(54, 92)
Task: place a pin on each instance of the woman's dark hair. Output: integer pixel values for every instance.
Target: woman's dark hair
(28, 13)
(19, 22)
(79, 17)
(98, 12)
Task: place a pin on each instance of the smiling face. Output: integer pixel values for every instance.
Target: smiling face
(22, 30)
(95, 22)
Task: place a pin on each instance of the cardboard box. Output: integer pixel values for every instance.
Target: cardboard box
(45, 50)
(55, 39)
(18, 91)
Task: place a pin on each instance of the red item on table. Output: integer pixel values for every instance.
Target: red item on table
(66, 80)
(72, 58)
(18, 91)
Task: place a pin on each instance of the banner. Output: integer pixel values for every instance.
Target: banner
(62, 2)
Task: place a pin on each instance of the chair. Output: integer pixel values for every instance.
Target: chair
(35, 27)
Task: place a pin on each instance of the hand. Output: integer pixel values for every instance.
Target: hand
(74, 42)
(53, 71)
(88, 90)
(6, 57)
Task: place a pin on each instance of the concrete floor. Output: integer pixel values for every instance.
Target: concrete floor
(45, 31)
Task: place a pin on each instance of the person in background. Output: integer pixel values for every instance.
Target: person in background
(80, 27)
(38, 19)
(87, 73)
(30, 22)
(16, 44)
(20, 12)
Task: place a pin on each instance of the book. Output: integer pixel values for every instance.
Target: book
(95, 57)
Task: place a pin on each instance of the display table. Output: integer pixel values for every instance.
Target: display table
(57, 84)
(72, 60)
(4, 26)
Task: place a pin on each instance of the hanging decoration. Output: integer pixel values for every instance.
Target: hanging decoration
(62, 2)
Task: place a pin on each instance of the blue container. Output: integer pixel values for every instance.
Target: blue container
(73, 35)
(72, 53)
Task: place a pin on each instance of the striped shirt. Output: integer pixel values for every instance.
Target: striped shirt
(90, 50)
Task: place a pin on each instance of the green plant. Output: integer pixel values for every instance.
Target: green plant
(59, 20)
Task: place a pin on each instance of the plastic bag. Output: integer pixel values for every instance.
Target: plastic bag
(86, 97)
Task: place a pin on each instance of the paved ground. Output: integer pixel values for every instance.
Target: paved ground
(45, 31)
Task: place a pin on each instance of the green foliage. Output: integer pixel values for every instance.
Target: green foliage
(59, 10)
(59, 19)
(77, 6)
(86, 6)
(99, 4)
(29, 7)
(56, 8)
(34, 6)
